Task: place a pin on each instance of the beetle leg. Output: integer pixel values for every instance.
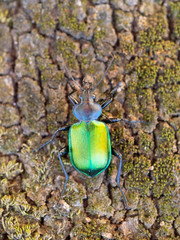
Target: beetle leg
(111, 98)
(114, 120)
(73, 100)
(107, 102)
(118, 176)
(61, 153)
(52, 139)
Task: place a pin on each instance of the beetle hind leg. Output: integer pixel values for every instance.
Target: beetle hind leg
(118, 177)
(61, 153)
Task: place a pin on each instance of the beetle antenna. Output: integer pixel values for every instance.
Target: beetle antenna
(69, 73)
(104, 74)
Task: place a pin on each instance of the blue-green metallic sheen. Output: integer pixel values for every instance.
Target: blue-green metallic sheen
(90, 147)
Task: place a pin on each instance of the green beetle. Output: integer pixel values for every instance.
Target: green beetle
(89, 140)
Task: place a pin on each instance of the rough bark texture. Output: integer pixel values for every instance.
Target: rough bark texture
(144, 38)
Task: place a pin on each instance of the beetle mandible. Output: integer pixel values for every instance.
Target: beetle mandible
(89, 147)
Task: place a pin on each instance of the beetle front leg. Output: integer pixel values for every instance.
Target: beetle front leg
(107, 102)
(118, 176)
(111, 98)
(73, 100)
(52, 139)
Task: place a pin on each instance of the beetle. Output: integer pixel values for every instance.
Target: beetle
(89, 147)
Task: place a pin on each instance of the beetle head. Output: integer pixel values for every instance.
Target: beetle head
(87, 109)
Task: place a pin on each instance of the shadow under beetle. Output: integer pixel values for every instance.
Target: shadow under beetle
(89, 140)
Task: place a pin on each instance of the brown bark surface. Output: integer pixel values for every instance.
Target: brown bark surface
(36, 39)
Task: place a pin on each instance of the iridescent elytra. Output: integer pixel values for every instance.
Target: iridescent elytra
(90, 147)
